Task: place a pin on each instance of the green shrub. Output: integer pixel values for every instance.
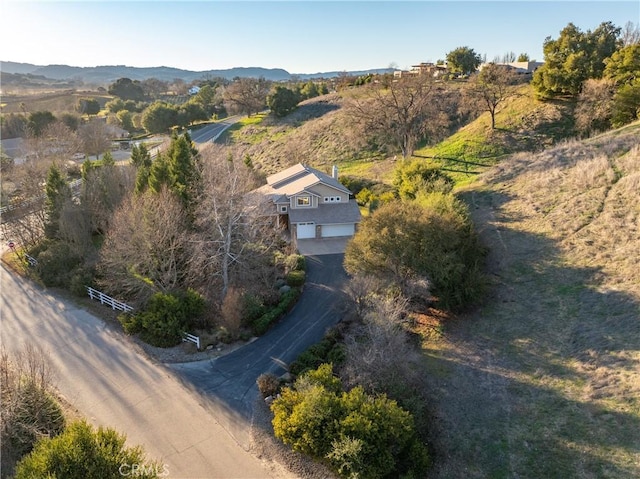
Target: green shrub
(252, 308)
(262, 324)
(131, 323)
(56, 262)
(166, 318)
(361, 435)
(328, 350)
(296, 278)
(80, 453)
(295, 262)
(80, 279)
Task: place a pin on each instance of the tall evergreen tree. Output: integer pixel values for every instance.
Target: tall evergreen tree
(58, 193)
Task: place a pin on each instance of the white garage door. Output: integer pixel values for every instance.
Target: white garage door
(329, 231)
(306, 230)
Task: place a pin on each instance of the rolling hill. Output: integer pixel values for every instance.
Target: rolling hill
(109, 73)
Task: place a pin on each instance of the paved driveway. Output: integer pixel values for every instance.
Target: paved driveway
(317, 247)
(228, 383)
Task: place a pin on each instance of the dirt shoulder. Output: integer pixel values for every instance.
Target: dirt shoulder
(543, 380)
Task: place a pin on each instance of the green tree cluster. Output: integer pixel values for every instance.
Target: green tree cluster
(574, 57)
(463, 60)
(88, 106)
(282, 101)
(432, 237)
(358, 434)
(127, 89)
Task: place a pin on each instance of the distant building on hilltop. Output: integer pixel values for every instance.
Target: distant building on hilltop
(430, 69)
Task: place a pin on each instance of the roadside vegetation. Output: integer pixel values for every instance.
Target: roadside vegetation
(42, 437)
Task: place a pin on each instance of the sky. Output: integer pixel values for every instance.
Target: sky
(299, 36)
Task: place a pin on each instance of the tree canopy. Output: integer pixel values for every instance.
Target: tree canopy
(247, 95)
(159, 117)
(282, 101)
(88, 106)
(574, 57)
(127, 89)
(431, 237)
(463, 60)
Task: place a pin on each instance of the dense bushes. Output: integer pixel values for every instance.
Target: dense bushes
(165, 318)
(358, 434)
(295, 278)
(261, 325)
(56, 263)
(329, 350)
(80, 453)
(431, 237)
(28, 410)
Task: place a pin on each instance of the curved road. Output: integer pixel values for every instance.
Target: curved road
(103, 375)
(184, 415)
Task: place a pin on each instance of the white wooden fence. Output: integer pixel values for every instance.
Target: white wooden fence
(192, 339)
(108, 300)
(115, 304)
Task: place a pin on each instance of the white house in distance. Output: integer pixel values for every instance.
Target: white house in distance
(312, 203)
(194, 90)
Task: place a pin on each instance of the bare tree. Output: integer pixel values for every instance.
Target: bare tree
(402, 113)
(595, 105)
(103, 189)
(378, 353)
(247, 95)
(28, 411)
(147, 247)
(491, 87)
(95, 137)
(225, 220)
(630, 34)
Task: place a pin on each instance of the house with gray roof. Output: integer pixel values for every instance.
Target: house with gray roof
(311, 203)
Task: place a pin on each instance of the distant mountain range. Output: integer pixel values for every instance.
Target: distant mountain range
(110, 73)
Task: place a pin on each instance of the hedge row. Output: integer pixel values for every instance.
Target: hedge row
(262, 324)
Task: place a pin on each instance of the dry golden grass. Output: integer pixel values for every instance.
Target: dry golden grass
(544, 380)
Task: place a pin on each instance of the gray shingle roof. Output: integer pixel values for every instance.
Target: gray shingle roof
(327, 214)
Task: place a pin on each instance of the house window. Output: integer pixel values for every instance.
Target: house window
(337, 199)
(283, 209)
(332, 199)
(303, 201)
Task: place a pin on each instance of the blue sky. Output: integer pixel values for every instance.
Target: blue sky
(299, 36)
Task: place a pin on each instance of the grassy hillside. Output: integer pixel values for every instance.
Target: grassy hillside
(522, 124)
(321, 133)
(318, 133)
(544, 379)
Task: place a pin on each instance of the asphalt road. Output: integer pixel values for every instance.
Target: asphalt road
(230, 381)
(102, 374)
(212, 131)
